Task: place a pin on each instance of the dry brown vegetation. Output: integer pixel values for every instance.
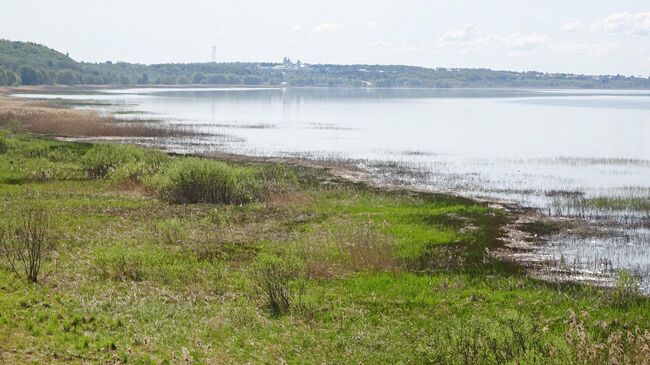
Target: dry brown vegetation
(350, 248)
(35, 117)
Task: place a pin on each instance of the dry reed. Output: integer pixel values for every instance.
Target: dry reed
(43, 119)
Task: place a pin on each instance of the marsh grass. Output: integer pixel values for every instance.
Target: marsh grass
(627, 291)
(276, 282)
(348, 249)
(140, 280)
(193, 180)
(124, 163)
(23, 116)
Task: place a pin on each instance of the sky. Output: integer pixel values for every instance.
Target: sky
(577, 36)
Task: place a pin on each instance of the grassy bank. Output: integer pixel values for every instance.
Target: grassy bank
(170, 259)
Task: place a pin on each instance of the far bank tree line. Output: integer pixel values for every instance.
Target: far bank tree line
(24, 63)
(28, 75)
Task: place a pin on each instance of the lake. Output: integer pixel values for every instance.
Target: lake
(577, 154)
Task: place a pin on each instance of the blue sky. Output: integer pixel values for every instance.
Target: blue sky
(555, 36)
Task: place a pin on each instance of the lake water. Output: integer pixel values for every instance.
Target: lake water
(553, 150)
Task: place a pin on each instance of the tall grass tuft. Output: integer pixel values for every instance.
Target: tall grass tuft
(627, 289)
(193, 180)
(121, 162)
(273, 278)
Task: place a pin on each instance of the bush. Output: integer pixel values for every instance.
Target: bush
(102, 159)
(121, 162)
(194, 180)
(272, 278)
(28, 243)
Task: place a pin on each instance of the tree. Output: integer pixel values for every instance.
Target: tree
(13, 79)
(217, 79)
(28, 75)
(125, 80)
(144, 79)
(252, 80)
(198, 77)
(44, 78)
(3, 77)
(66, 77)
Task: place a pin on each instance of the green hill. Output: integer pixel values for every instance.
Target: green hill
(30, 63)
(16, 54)
(26, 63)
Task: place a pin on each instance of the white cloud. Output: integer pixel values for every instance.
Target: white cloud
(327, 27)
(525, 42)
(388, 47)
(625, 23)
(472, 40)
(296, 28)
(573, 27)
(373, 25)
(467, 34)
(378, 44)
(592, 49)
(617, 23)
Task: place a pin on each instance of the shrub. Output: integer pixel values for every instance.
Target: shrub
(193, 180)
(28, 243)
(272, 278)
(121, 162)
(100, 160)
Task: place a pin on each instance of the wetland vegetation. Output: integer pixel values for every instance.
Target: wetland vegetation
(159, 258)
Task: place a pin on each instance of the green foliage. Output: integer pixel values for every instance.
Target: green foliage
(169, 231)
(3, 77)
(124, 163)
(16, 54)
(627, 291)
(13, 79)
(66, 77)
(28, 75)
(193, 180)
(141, 263)
(198, 78)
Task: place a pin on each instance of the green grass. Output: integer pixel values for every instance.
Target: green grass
(376, 276)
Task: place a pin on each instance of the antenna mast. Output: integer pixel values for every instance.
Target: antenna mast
(214, 54)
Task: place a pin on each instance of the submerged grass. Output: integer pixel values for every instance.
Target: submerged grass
(198, 261)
